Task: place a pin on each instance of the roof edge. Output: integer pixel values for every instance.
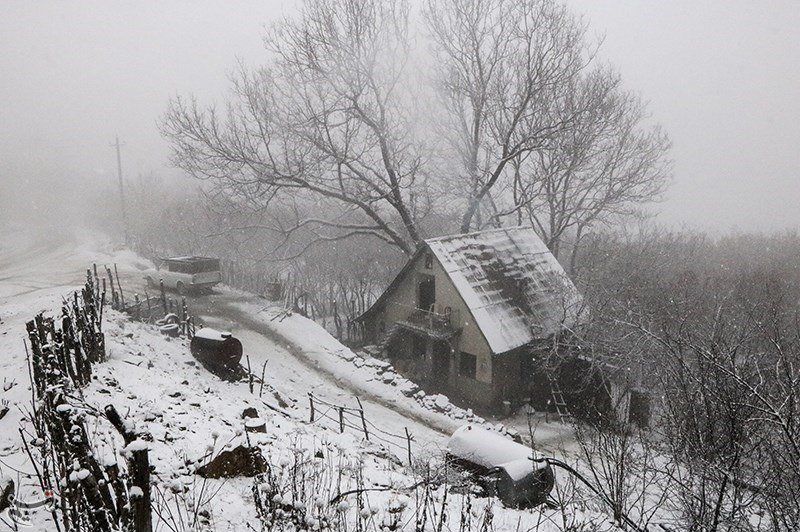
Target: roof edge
(394, 284)
(482, 231)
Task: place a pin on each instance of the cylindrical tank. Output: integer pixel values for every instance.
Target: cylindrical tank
(218, 351)
(504, 467)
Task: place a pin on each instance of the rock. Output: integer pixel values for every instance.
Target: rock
(347, 355)
(239, 462)
(420, 395)
(407, 387)
(359, 362)
(380, 365)
(6, 490)
(388, 377)
(249, 412)
(441, 402)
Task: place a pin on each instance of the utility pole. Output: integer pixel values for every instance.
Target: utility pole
(117, 145)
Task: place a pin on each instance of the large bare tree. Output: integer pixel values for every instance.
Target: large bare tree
(324, 130)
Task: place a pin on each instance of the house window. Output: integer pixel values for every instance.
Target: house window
(428, 261)
(467, 364)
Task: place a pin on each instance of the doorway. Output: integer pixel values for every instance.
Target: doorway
(426, 292)
(441, 364)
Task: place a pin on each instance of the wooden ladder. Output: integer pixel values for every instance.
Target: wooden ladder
(558, 396)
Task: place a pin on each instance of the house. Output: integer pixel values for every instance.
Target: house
(464, 313)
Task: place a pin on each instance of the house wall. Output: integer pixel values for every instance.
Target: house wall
(402, 301)
(509, 379)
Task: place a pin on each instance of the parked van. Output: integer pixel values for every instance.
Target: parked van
(185, 274)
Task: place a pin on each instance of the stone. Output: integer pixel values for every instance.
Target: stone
(249, 412)
(441, 402)
(407, 387)
(239, 462)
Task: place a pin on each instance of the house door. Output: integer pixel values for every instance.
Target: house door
(426, 292)
(441, 363)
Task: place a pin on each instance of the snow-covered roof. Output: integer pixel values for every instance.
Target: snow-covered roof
(514, 287)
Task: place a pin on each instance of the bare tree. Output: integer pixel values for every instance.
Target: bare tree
(502, 67)
(606, 166)
(324, 127)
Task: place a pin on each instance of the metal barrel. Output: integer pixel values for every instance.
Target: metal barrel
(218, 351)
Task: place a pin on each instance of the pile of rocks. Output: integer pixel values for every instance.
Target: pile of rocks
(369, 357)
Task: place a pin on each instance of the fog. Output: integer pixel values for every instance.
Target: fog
(720, 76)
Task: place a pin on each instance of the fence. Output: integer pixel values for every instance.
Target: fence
(60, 359)
(355, 419)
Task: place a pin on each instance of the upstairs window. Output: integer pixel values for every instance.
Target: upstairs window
(467, 364)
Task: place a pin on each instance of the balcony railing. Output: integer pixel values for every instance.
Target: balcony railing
(441, 322)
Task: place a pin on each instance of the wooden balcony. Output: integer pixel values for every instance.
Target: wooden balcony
(440, 325)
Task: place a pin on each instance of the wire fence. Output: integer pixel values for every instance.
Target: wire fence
(344, 417)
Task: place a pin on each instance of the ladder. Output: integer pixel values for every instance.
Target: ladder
(558, 396)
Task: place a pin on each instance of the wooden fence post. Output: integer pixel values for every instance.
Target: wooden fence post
(311, 403)
(163, 295)
(119, 285)
(341, 419)
(184, 316)
(249, 375)
(408, 441)
(138, 474)
(263, 375)
(363, 419)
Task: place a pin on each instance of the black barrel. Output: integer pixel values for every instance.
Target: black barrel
(218, 351)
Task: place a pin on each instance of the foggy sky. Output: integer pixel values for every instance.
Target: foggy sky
(721, 76)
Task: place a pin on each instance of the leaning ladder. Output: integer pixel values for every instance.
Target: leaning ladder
(558, 395)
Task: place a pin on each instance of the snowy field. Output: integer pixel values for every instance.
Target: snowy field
(192, 414)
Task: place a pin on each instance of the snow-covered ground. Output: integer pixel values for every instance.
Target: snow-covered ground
(191, 413)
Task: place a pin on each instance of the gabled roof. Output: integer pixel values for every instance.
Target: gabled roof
(514, 287)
